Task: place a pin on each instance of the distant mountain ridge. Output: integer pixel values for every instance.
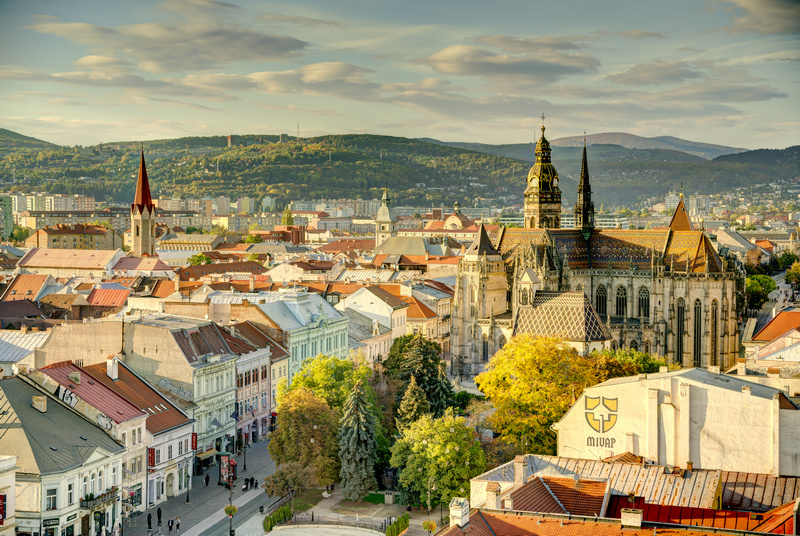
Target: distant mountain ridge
(10, 140)
(708, 151)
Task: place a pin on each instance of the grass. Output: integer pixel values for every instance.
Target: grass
(307, 500)
(374, 498)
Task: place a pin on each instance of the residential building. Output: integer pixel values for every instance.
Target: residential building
(68, 469)
(6, 217)
(69, 263)
(368, 338)
(381, 306)
(8, 487)
(78, 236)
(16, 346)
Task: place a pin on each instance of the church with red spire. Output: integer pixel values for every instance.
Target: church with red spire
(143, 216)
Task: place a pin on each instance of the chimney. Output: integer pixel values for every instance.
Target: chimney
(40, 403)
(177, 281)
(493, 495)
(23, 329)
(689, 466)
(631, 519)
(520, 467)
(459, 512)
(509, 503)
(75, 377)
(251, 283)
(112, 368)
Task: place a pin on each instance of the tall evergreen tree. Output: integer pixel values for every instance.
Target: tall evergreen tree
(287, 218)
(442, 393)
(357, 445)
(413, 406)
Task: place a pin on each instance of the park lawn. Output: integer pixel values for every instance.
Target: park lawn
(375, 498)
(307, 500)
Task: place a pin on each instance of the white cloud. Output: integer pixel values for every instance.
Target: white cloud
(764, 16)
(656, 72)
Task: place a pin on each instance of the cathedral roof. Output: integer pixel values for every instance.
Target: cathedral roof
(143, 199)
(482, 245)
(568, 315)
(680, 219)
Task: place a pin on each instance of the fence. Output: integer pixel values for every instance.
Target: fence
(313, 518)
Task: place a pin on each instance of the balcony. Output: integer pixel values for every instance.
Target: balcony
(107, 497)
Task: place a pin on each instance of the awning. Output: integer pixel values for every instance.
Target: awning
(206, 454)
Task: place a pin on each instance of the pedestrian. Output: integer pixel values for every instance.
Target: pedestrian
(244, 486)
(170, 524)
(149, 520)
(256, 483)
(408, 511)
(158, 515)
(252, 482)
(207, 479)
(178, 524)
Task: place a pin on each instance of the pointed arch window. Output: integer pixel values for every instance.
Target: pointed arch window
(714, 331)
(698, 333)
(634, 346)
(485, 348)
(644, 302)
(523, 300)
(600, 301)
(622, 301)
(679, 330)
(647, 347)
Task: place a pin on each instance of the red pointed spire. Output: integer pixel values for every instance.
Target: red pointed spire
(143, 198)
(680, 218)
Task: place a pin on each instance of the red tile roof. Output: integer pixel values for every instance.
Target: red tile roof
(24, 287)
(258, 338)
(535, 497)
(93, 391)
(108, 297)
(162, 415)
(91, 259)
(197, 272)
(582, 498)
(783, 322)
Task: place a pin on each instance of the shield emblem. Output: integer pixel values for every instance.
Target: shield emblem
(601, 420)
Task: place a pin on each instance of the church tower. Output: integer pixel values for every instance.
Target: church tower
(542, 195)
(584, 208)
(143, 216)
(384, 220)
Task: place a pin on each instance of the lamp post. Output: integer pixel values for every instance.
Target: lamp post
(230, 499)
(431, 487)
(244, 451)
(188, 482)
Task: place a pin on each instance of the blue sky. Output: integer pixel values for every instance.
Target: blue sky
(90, 71)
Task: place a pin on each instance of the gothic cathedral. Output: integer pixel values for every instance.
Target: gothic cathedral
(665, 292)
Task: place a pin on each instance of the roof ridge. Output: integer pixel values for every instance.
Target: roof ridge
(552, 494)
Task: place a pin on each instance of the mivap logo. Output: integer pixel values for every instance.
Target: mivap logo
(601, 421)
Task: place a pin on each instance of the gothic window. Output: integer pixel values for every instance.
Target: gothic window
(501, 342)
(600, 300)
(698, 333)
(545, 223)
(137, 230)
(622, 301)
(524, 297)
(644, 302)
(714, 332)
(485, 348)
(647, 347)
(613, 345)
(634, 346)
(679, 330)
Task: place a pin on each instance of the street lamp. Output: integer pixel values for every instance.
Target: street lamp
(244, 450)
(230, 499)
(431, 487)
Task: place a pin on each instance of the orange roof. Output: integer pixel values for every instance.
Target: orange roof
(24, 287)
(416, 309)
(108, 297)
(581, 498)
(197, 272)
(349, 245)
(783, 322)
(680, 219)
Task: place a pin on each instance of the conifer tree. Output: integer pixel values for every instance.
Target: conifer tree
(413, 406)
(357, 445)
(287, 218)
(441, 394)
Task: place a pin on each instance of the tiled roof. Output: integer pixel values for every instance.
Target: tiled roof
(50, 442)
(91, 259)
(496, 523)
(161, 414)
(197, 272)
(20, 309)
(417, 310)
(582, 498)
(347, 245)
(624, 457)
(108, 297)
(16, 345)
(780, 324)
(258, 338)
(392, 301)
(238, 345)
(146, 264)
(78, 228)
(482, 245)
(25, 287)
(92, 391)
(569, 315)
(534, 496)
(680, 218)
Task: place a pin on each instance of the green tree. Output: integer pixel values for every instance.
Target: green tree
(532, 381)
(291, 476)
(444, 450)
(418, 357)
(609, 364)
(19, 233)
(332, 379)
(198, 259)
(287, 218)
(413, 406)
(793, 274)
(307, 433)
(357, 445)
(757, 289)
(786, 260)
(441, 396)
(252, 239)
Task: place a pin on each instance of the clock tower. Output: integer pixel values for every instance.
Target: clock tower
(542, 195)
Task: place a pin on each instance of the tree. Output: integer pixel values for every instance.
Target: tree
(287, 218)
(793, 274)
(307, 433)
(289, 477)
(757, 289)
(532, 381)
(357, 445)
(417, 357)
(609, 364)
(443, 449)
(198, 259)
(413, 406)
(251, 257)
(19, 233)
(332, 379)
(393, 361)
(441, 396)
(252, 239)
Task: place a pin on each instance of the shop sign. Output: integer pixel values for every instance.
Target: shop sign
(194, 441)
(53, 522)
(2, 509)
(73, 516)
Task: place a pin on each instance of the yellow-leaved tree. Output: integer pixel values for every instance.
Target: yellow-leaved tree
(532, 381)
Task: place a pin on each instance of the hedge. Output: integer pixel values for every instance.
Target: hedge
(398, 526)
(281, 515)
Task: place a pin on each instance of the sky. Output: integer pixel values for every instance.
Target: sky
(81, 72)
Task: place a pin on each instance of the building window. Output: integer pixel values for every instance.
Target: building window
(85, 490)
(679, 331)
(485, 348)
(123, 439)
(169, 452)
(180, 448)
(92, 488)
(100, 482)
(70, 493)
(634, 346)
(113, 476)
(644, 303)
(158, 456)
(698, 333)
(714, 333)
(51, 496)
(523, 298)
(622, 301)
(647, 347)
(600, 301)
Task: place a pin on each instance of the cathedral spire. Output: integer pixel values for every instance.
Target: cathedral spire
(584, 207)
(143, 198)
(143, 215)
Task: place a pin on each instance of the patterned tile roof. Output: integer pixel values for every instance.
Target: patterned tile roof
(619, 248)
(564, 314)
(694, 247)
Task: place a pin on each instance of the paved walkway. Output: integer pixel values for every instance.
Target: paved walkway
(205, 508)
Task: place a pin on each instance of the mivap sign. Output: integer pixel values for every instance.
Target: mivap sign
(601, 415)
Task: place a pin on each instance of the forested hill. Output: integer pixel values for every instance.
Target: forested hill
(13, 141)
(418, 171)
